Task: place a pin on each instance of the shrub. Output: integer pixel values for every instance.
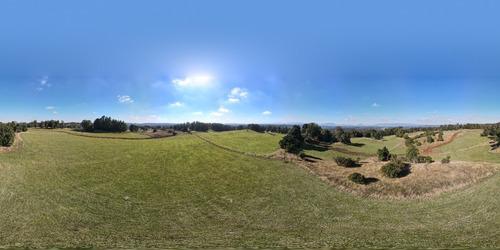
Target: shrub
(302, 155)
(412, 153)
(393, 169)
(345, 162)
(6, 135)
(357, 178)
(428, 159)
(383, 154)
(418, 144)
(445, 160)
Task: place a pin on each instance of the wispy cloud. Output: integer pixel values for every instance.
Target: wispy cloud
(42, 83)
(176, 104)
(223, 110)
(375, 105)
(267, 112)
(125, 99)
(236, 94)
(50, 107)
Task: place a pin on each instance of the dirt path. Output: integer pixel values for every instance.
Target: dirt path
(430, 149)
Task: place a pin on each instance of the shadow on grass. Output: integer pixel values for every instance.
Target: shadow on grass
(314, 147)
(371, 180)
(357, 144)
(406, 170)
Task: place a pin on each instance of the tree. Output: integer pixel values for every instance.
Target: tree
(293, 141)
(412, 153)
(86, 125)
(344, 138)
(393, 169)
(6, 135)
(440, 136)
(311, 130)
(338, 133)
(133, 128)
(290, 144)
(383, 154)
(430, 139)
(325, 136)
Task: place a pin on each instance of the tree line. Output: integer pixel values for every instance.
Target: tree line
(104, 124)
(8, 130)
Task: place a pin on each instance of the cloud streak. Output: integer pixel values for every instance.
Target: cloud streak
(125, 99)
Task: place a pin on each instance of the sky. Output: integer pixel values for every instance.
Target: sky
(342, 62)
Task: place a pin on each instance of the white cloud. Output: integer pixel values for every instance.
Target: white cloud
(125, 99)
(55, 112)
(375, 105)
(50, 107)
(238, 92)
(198, 113)
(42, 83)
(217, 114)
(223, 110)
(266, 112)
(176, 104)
(192, 81)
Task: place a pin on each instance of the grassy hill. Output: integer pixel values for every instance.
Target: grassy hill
(246, 140)
(61, 190)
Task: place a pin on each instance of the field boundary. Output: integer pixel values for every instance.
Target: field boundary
(430, 149)
(106, 137)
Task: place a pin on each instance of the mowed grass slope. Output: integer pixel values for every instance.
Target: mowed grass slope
(247, 141)
(61, 190)
(469, 146)
(126, 135)
(370, 146)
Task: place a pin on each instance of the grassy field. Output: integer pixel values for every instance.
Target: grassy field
(370, 146)
(469, 146)
(127, 135)
(60, 190)
(245, 140)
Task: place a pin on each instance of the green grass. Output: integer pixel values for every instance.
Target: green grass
(126, 135)
(61, 190)
(246, 140)
(361, 145)
(370, 146)
(462, 148)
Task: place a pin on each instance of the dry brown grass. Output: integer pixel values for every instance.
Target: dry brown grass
(421, 180)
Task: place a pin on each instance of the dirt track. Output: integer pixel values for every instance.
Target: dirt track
(430, 150)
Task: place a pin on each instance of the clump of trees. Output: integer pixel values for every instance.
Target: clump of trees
(393, 169)
(106, 124)
(293, 141)
(440, 136)
(345, 161)
(414, 156)
(6, 135)
(133, 128)
(357, 178)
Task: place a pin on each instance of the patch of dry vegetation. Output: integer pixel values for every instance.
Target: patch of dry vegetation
(419, 180)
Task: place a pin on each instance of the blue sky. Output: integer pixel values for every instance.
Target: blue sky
(343, 62)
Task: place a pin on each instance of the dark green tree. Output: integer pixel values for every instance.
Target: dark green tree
(6, 135)
(86, 125)
(383, 154)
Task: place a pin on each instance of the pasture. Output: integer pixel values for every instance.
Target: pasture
(247, 141)
(61, 190)
(126, 135)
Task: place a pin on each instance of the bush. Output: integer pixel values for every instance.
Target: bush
(345, 162)
(6, 135)
(393, 169)
(428, 159)
(302, 155)
(383, 154)
(446, 160)
(357, 178)
(290, 144)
